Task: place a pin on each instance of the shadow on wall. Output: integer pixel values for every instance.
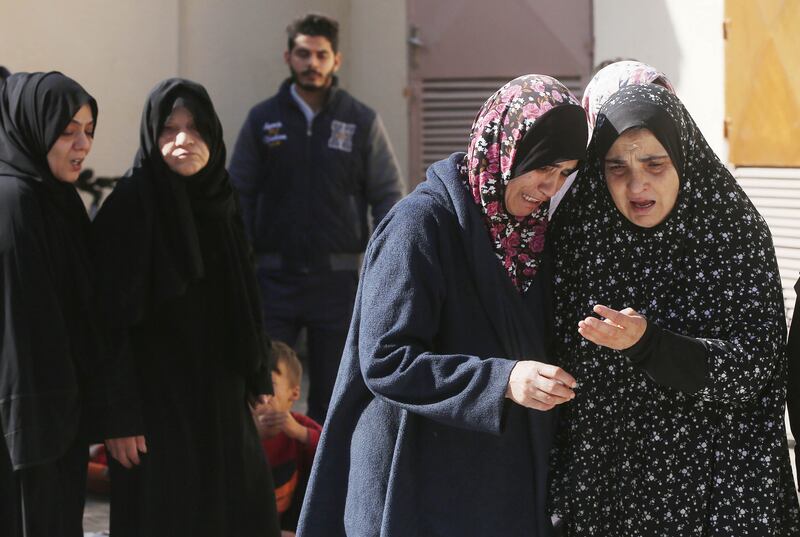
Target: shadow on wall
(643, 31)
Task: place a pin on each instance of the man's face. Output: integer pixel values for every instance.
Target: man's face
(312, 62)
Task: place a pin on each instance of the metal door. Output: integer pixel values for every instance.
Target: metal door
(461, 51)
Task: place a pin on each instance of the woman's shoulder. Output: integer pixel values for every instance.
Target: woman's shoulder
(416, 214)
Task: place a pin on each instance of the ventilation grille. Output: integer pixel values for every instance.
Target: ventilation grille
(449, 107)
(776, 194)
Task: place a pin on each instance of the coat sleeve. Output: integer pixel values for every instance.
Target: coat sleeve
(246, 170)
(401, 302)
(384, 187)
(746, 355)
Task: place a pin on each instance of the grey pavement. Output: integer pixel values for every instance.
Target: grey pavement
(95, 518)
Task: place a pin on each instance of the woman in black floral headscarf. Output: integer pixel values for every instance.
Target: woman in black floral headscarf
(677, 427)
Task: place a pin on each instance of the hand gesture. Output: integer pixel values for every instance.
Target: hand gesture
(619, 330)
(126, 450)
(539, 386)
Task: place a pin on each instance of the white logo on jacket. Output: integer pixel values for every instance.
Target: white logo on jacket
(272, 133)
(342, 136)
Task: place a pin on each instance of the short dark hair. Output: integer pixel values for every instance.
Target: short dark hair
(284, 354)
(315, 24)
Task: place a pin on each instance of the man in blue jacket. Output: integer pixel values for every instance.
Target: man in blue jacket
(308, 164)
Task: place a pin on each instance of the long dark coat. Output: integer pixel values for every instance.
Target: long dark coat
(420, 439)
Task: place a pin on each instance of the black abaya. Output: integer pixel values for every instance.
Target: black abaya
(48, 344)
(182, 305)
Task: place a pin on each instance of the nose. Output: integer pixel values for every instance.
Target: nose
(182, 138)
(83, 141)
(637, 181)
(551, 184)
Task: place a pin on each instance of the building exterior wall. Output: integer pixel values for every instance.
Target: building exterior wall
(684, 40)
(119, 50)
(116, 53)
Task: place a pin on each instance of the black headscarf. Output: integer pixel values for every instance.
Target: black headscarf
(160, 255)
(707, 271)
(34, 111)
(47, 269)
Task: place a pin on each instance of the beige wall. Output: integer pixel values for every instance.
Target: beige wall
(119, 50)
(684, 40)
(107, 51)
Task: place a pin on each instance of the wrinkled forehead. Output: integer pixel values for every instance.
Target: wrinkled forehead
(640, 107)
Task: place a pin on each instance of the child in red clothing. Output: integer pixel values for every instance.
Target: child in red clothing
(289, 439)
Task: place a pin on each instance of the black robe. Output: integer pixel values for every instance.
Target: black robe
(420, 439)
(181, 304)
(48, 344)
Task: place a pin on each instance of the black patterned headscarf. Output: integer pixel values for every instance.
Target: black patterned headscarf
(530, 122)
(707, 271)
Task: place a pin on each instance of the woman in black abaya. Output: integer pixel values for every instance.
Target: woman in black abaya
(48, 346)
(181, 304)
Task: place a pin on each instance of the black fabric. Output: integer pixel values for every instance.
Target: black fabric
(161, 255)
(632, 452)
(47, 499)
(670, 359)
(181, 305)
(793, 385)
(419, 438)
(558, 135)
(48, 343)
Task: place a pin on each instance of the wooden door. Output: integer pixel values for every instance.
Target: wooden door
(762, 82)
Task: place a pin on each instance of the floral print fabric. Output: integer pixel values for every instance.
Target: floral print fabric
(607, 81)
(500, 125)
(634, 458)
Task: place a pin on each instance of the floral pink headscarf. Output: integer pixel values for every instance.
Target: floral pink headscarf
(610, 79)
(496, 133)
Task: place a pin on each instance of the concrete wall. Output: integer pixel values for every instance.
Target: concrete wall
(116, 54)
(684, 40)
(119, 50)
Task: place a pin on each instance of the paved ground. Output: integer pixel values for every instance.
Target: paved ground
(95, 519)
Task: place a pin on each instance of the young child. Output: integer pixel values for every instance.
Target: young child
(289, 439)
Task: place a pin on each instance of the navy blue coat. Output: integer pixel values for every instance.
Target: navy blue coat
(420, 439)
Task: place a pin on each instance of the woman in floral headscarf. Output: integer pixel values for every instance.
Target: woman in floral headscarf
(430, 430)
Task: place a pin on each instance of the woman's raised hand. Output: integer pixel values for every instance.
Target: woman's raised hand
(619, 330)
(539, 386)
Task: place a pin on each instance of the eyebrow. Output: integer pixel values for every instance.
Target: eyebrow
(78, 123)
(647, 158)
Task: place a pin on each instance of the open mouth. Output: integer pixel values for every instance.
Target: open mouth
(643, 205)
(530, 199)
(76, 163)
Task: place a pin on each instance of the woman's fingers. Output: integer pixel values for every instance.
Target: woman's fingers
(556, 373)
(539, 386)
(620, 329)
(141, 444)
(126, 450)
